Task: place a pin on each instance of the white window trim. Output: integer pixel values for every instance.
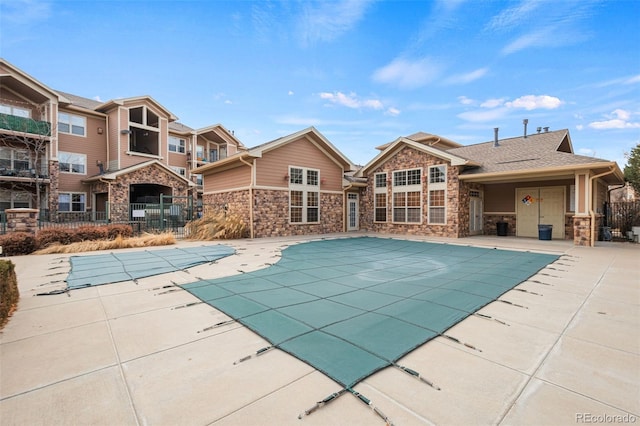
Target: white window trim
(61, 153)
(380, 190)
(183, 145)
(12, 109)
(406, 189)
(182, 171)
(305, 188)
(71, 193)
(436, 186)
(70, 132)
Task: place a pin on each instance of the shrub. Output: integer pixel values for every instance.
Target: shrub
(9, 294)
(123, 230)
(17, 243)
(91, 233)
(217, 225)
(49, 236)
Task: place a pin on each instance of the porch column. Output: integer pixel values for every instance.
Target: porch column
(582, 219)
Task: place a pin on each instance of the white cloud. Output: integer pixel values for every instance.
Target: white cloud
(484, 115)
(394, 112)
(493, 103)
(97, 98)
(618, 119)
(290, 92)
(512, 17)
(466, 101)
(407, 74)
(326, 21)
(467, 77)
(579, 127)
(531, 102)
(351, 100)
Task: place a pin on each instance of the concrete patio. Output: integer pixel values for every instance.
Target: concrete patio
(565, 350)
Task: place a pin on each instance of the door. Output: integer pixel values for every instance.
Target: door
(475, 213)
(352, 212)
(545, 205)
(552, 209)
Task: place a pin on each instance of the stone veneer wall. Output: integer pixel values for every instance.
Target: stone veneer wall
(153, 175)
(54, 173)
(489, 225)
(409, 158)
(271, 212)
(236, 202)
(22, 220)
(582, 230)
(271, 215)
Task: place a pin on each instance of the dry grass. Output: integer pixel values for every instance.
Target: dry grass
(146, 240)
(216, 226)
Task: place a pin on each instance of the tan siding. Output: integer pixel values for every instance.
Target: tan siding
(239, 177)
(274, 165)
(502, 198)
(93, 144)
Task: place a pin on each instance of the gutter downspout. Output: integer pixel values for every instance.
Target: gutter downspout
(242, 160)
(591, 212)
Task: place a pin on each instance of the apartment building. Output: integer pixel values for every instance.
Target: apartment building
(70, 156)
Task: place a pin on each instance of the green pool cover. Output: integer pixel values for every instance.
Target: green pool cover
(350, 307)
(115, 267)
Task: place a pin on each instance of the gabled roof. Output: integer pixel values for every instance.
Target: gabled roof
(221, 132)
(402, 142)
(427, 139)
(537, 153)
(106, 106)
(20, 81)
(256, 152)
(113, 175)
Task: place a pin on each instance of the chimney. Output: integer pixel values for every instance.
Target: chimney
(525, 122)
(546, 129)
(495, 137)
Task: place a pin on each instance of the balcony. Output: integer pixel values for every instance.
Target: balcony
(22, 173)
(24, 125)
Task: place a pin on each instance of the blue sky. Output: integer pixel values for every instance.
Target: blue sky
(362, 72)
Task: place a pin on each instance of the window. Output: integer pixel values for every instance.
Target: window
(198, 179)
(438, 174)
(14, 160)
(380, 197)
(407, 196)
(72, 163)
(71, 202)
(72, 124)
(14, 110)
(304, 195)
(14, 199)
(177, 144)
(179, 170)
(438, 194)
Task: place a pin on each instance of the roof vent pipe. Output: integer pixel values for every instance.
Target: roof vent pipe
(546, 129)
(525, 122)
(539, 129)
(495, 136)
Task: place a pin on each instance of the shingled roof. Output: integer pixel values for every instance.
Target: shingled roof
(534, 152)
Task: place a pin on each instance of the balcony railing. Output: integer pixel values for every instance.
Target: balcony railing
(25, 125)
(24, 173)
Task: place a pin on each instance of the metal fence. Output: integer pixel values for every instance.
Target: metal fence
(621, 217)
